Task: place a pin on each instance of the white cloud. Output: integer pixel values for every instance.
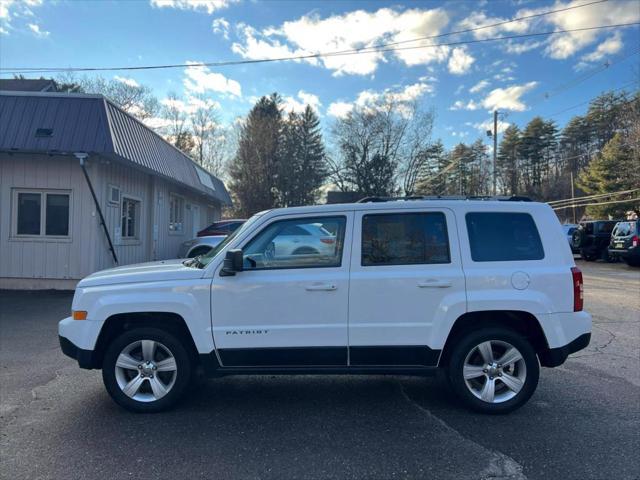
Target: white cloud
(561, 45)
(3, 31)
(481, 85)
(255, 47)
(37, 31)
(460, 105)
(507, 98)
(298, 105)
(564, 45)
(518, 48)
(127, 81)
(339, 109)
(488, 125)
(221, 26)
(191, 104)
(311, 34)
(199, 79)
(208, 6)
(460, 61)
(372, 99)
(480, 19)
(610, 46)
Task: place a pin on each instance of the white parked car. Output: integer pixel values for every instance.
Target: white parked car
(486, 290)
(199, 245)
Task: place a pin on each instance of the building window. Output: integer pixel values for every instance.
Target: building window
(176, 213)
(130, 218)
(41, 213)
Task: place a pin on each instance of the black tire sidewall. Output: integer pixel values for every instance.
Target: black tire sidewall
(198, 251)
(577, 238)
(183, 363)
(474, 338)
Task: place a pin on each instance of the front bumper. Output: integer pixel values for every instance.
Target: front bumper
(78, 340)
(85, 358)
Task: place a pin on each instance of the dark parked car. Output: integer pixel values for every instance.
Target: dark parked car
(625, 242)
(222, 227)
(592, 239)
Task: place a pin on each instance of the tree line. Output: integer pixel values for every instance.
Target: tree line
(278, 158)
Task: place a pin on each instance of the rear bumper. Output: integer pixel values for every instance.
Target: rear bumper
(633, 252)
(85, 358)
(555, 357)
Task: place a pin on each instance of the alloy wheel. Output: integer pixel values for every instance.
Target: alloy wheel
(494, 371)
(146, 370)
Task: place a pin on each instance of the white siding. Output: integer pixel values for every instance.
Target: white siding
(87, 249)
(154, 194)
(71, 258)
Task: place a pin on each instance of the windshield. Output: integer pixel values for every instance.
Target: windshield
(204, 260)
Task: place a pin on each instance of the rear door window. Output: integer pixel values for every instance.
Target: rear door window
(503, 237)
(404, 239)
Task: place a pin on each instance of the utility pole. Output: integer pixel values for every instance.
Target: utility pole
(573, 202)
(495, 148)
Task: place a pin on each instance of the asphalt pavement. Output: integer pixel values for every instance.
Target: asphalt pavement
(57, 421)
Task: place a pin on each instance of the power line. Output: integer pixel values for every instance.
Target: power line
(493, 25)
(629, 200)
(589, 101)
(359, 51)
(588, 197)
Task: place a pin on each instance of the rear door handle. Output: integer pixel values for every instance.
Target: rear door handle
(321, 286)
(433, 283)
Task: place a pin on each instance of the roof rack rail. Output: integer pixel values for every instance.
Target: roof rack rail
(500, 198)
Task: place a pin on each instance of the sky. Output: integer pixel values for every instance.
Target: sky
(553, 76)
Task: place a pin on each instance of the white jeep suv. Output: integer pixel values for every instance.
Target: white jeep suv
(486, 290)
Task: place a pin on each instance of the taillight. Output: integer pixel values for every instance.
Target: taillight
(634, 241)
(578, 289)
(329, 240)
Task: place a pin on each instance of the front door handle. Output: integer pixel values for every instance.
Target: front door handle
(321, 286)
(433, 283)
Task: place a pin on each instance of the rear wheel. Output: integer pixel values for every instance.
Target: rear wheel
(493, 370)
(146, 370)
(632, 262)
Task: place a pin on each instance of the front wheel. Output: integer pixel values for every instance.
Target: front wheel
(146, 370)
(493, 370)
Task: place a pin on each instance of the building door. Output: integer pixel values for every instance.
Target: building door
(195, 220)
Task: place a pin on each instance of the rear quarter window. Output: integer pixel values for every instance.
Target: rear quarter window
(503, 237)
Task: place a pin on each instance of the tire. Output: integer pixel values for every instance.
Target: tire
(523, 373)
(578, 238)
(198, 251)
(632, 262)
(154, 390)
(589, 257)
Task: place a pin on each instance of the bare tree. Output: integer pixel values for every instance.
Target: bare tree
(133, 98)
(380, 147)
(174, 113)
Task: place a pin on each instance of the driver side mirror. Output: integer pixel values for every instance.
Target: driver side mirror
(233, 262)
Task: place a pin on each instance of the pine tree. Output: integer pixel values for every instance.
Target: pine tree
(312, 163)
(614, 169)
(507, 160)
(434, 174)
(255, 167)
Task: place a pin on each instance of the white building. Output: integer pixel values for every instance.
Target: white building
(54, 149)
